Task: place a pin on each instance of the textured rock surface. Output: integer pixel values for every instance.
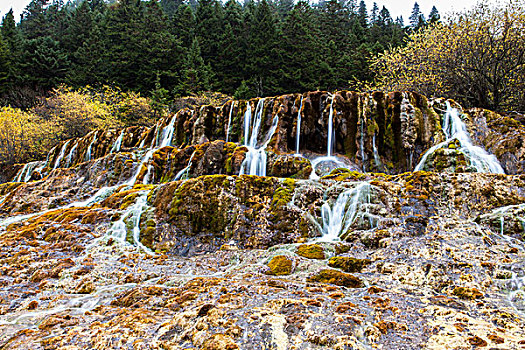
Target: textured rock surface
(111, 252)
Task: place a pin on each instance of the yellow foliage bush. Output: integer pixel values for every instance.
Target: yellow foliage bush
(68, 113)
(477, 57)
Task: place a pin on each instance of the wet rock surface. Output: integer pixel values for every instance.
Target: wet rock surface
(118, 251)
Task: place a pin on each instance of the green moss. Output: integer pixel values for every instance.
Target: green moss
(280, 265)
(337, 278)
(311, 251)
(467, 293)
(348, 264)
(283, 195)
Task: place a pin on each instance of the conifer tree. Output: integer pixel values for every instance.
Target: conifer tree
(434, 15)
(415, 16)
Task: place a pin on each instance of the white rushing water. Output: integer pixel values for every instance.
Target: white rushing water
(90, 147)
(131, 216)
(71, 154)
(118, 143)
(61, 154)
(229, 122)
(298, 135)
(184, 172)
(255, 161)
(24, 174)
(168, 133)
(350, 205)
(362, 142)
(331, 136)
(455, 128)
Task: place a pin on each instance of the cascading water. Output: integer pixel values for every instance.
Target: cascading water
(71, 153)
(132, 216)
(168, 133)
(351, 204)
(255, 161)
(24, 174)
(330, 129)
(362, 142)
(118, 143)
(184, 172)
(377, 160)
(61, 155)
(298, 135)
(455, 128)
(229, 122)
(90, 147)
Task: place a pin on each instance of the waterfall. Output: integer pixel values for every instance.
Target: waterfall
(255, 161)
(351, 204)
(146, 179)
(377, 160)
(229, 121)
(362, 142)
(455, 128)
(184, 172)
(61, 155)
(168, 133)
(132, 215)
(71, 152)
(330, 128)
(297, 137)
(24, 174)
(118, 143)
(90, 147)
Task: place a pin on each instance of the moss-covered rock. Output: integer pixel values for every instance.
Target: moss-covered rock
(467, 293)
(311, 251)
(280, 265)
(348, 264)
(337, 278)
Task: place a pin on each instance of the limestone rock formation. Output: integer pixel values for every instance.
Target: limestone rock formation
(153, 235)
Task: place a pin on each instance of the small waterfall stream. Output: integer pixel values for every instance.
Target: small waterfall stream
(71, 153)
(90, 147)
(255, 161)
(24, 174)
(330, 146)
(298, 127)
(61, 155)
(118, 143)
(229, 121)
(455, 128)
(350, 205)
(184, 172)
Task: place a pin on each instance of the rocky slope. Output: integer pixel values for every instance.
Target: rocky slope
(148, 238)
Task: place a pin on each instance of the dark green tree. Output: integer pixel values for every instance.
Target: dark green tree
(434, 16)
(302, 50)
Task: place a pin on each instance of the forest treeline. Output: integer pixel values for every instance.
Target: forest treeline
(173, 48)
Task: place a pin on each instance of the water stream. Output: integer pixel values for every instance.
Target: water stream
(229, 121)
(90, 147)
(255, 161)
(298, 136)
(118, 143)
(61, 155)
(455, 128)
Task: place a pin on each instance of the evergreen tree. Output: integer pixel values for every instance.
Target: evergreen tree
(263, 59)
(415, 16)
(170, 7)
(232, 52)
(44, 63)
(209, 29)
(302, 49)
(184, 25)
(34, 23)
(14, 41)
(434, 15)
(196, 75)
(374, 13)
(362, 14)
(4, 65)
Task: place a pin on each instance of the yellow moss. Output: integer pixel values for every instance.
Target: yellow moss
(280, 265)
(311, 251)
(348, 264)
(467, 293)
(337, 278)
